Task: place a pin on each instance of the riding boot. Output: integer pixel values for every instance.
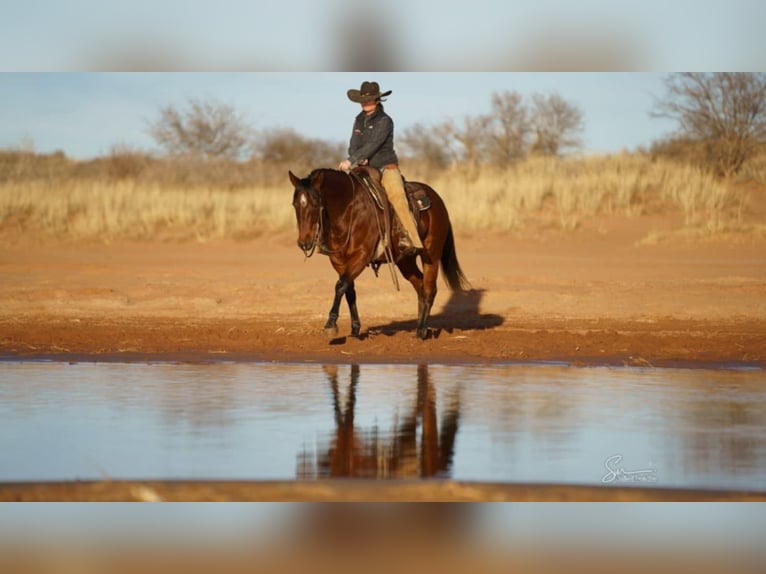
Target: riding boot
(392, 183)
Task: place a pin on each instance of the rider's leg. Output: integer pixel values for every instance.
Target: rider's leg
(392, 182)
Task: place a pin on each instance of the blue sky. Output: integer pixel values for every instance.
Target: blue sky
(273, 61)
(84, 114)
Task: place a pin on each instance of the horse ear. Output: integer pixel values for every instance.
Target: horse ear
(316, 181)
(294, 179)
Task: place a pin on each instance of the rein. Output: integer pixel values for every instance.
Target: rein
(383, 234)
(307, 253)
(319, 233)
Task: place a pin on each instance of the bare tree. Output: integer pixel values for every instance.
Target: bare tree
(432, 145)
(725, 111)
(205, 128)
(449, 142)
(509, 127)
(285, 145)
(502, 136)
(472, 139)
(557, 124)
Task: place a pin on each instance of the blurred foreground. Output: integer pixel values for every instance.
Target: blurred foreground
(490, 35)
(382, 538)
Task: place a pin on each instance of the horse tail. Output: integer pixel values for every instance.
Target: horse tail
(452, 272)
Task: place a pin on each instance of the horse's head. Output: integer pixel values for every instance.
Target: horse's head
(307, 202)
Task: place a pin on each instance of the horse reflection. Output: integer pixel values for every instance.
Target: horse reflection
(418, 446)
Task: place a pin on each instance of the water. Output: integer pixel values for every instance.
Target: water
(518, 423)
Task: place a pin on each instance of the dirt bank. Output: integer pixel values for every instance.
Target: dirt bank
(590, 297)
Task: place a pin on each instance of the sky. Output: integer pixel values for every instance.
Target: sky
(85, 114)
(415, 35)
(84, 75)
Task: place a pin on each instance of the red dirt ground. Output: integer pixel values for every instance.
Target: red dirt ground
(593, 296)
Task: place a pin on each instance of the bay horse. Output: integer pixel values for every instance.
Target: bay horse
(338, 215)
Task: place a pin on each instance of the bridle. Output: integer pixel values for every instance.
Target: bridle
(319, 226)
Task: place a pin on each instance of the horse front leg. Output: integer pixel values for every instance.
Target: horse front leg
(331, 327)
(356, 325)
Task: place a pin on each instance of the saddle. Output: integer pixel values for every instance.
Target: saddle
(417, 198)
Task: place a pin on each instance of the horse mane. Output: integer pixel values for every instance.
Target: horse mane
(318, 170)
(308, 180)
(314, 172)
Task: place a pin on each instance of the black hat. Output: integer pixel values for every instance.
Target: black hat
(370, 91)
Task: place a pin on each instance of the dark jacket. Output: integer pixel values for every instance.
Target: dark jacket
(373, 139)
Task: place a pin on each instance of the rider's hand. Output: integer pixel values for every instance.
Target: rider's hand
(345, 165)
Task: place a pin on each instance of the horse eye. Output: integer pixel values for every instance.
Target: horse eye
(303, 200)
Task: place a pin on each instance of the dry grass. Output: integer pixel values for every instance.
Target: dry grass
(560, 193)
(755, 170)
(107, 210)
(565, 192)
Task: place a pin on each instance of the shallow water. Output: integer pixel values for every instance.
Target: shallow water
(517, 423)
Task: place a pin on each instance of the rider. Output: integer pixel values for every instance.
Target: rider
(372, 143)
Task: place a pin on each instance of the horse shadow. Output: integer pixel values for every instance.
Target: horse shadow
(462, 311)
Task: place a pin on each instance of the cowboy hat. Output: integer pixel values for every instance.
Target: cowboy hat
(369, 92)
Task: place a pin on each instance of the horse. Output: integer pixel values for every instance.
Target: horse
(337, 214)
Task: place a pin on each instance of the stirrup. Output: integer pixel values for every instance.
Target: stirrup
(406, 247)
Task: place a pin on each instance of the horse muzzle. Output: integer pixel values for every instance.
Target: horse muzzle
(306, 245)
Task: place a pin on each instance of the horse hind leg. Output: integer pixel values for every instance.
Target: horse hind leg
(409, 269)
(430, 272)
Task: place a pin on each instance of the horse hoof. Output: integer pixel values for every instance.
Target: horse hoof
(331, 332)
(423, 334)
